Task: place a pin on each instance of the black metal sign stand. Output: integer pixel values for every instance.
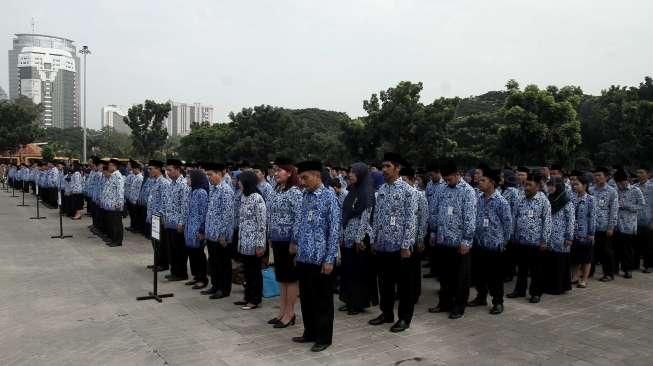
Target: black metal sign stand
(38, 213)
(154, 295)
(61, 235)
(13, 190)
(23, 204)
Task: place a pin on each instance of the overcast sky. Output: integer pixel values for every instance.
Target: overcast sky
(334, 54)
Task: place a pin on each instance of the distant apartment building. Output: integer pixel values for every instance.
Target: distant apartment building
(46, 69)
(112, 116)
(3, 95)
(183, 115)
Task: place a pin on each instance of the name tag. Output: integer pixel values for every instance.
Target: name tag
(393, 221)
(601, 203)
(310, 216)
(449, 210)
(531, 214)
(486, 222)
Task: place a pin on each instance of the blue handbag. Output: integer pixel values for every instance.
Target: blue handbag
(270, 284)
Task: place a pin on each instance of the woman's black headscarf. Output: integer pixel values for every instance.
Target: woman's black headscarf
(559, 198)
(361, 194)
(250, 182)
(509, 179)
(198, 180)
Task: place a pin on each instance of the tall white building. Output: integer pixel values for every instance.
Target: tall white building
(45, 69)
(112, 116)
(183, 115)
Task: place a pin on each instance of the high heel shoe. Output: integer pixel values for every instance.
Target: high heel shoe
(282, 325)
(274, 321)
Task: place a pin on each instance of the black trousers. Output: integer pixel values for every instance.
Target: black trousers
(102, 223)
(644, 247)
(624, 244)
(529, 261)
(114, 226)
(177, 254)
(396, 280)
(488, 272)
(197, 259)
(220, 266)
(131, 210)
(455, 278)
(358, 285)
(604, 252)
(416, 261)
(253, 279)
(316, 299)
(161, 247)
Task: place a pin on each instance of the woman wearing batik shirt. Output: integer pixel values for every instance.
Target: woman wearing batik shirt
(358, 288)
(194, 228)
(557, 273)
(77, 199)
(284, 203)
(581, 250)
(251, 239)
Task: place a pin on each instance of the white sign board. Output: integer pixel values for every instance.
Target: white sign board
(59, 198)
(156, 225)
(37, 189)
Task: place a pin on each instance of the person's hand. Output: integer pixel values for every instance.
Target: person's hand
(568, 243)
(222, 242)
(463, 249)
(180, 228)
(609, 233)
(260, 251)
(591, 238)
(405, 253)
(432, 239)
(341, 243)
(200, 236)
(420, 247)
(650, 227)
(292, 248)
(543, 246)
(327, 268)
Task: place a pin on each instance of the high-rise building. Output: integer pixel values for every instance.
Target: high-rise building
(3, 95)
(112, 116)
(46, 69)
(183, 115)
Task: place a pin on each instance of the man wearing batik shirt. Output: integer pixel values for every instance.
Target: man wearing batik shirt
(607, 214)
(493, 230)
(113, 201)
(532, 218)
(218, 231)
(456, 224)
(433, 186)
(315, 242)
(522, 174)
(132, 196)
(159, 186)
(128, 186)
(393, 236)
(631, 200)
(645, 220)
(174, 214)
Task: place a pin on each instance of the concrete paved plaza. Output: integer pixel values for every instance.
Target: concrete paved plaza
(72, 302)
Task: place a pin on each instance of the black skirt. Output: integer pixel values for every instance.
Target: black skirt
(581, 253)
(284, 262)
(557, 273)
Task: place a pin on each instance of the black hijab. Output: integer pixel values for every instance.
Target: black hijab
(198, 180)
(250, 182)
(560, 197)
(361, 194)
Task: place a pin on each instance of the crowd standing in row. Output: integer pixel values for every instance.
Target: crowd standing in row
(370, 229)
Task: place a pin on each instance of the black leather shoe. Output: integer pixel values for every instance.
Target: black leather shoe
(354, 311)
(240, 303)
(209, 291)
(438, 309)
(514, 295)
(455, 315)
(381, 319)
(217, 295)
(280, 325)
(112, 245)
(301, 339)
(646, 270)
(606, 278)
(628, 275)
(477, 302)
(496, 309)
(176, 279)
(161, 268)
(399, 326)
(534, 299)
(274, 321)
(190, 283)
(343, 308)
(199, 285)
(319, 347)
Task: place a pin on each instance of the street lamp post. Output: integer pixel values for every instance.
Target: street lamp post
(84, 51)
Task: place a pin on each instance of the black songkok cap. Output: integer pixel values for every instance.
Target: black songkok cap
(603, 170)
(433, 166)
(393, 158)
(281, 160)
(407, 171)
(556, 167)
(493, 174)
(104, 161)
(523, 169)
(95, 160)
(115, 162)
(306, 166)
(175, 162)
(216, 167)
(156, 163)
(620, 175)
(448, 168)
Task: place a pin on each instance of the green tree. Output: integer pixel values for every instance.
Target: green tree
(207, 143)
(19, 123)
(148, 132)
